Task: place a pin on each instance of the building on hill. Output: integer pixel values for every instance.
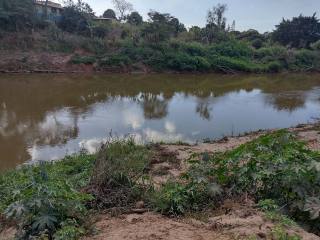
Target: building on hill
(54, 10)
(103, 19)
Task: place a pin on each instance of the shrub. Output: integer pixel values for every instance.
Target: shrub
(194, 193)
(43, 198)
(306, 59)
(181, 62)
(271, 53)
(316, 45)
(274, 67)
(230, 65)
(194, 49)
(83, 59)
(117, 180)
(118, 60)
(257, 43)
(234, 49)
(277, 167)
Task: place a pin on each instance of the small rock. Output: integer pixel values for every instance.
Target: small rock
(140, 205)
(262, 235)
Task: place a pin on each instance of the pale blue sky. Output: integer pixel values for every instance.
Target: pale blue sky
(258, 14)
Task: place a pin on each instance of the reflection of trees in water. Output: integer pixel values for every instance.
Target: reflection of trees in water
(154, 106)
(203, 108)
(57, 133)
(29, 99)
(15, 135)
(287, 102)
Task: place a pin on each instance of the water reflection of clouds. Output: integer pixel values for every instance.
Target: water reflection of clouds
(155, 118)
(133, 118)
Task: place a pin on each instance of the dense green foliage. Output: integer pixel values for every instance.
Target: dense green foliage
(299, 32)
(276, 166)
(163, 43)
(16, 14)
(46, 197)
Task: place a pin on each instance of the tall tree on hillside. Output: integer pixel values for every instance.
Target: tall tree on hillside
(216, 16)
(76, 17)
(135, 18)
(123, 7)
(109, 13)
(46, 9)
(299, 32)
(16, 15)
(216, 27)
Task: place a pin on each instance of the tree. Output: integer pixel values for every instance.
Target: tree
(109, 13)
(216, 16)
(299, 32)
(76, 18)
(123, 7)
(135, 18)
(16, 14)
(46, 9)
(161, 27)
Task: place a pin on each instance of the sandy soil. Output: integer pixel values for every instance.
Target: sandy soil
(240, 222)
(39, 62)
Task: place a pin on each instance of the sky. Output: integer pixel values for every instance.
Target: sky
(261, 15)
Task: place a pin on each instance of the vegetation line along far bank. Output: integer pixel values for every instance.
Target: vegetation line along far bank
(54, 200)
(44, 36)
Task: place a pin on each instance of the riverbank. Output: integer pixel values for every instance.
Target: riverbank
(40, 52)
(84, 62)
(236, 188)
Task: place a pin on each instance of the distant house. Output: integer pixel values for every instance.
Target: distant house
(54, 10)
(103, 19)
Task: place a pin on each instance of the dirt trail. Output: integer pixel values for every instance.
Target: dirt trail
(241, 222)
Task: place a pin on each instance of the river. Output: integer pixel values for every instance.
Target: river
(45, 117)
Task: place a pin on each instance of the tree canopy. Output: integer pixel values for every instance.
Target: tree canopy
(109, 13)
(135, 18)
(16, 14)
(298, 32)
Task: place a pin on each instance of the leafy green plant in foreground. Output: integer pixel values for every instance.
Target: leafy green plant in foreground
(40, 198)
(278, 167)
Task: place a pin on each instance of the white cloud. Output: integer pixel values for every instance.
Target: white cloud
(170, 127)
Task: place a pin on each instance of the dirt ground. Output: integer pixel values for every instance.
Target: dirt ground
(20, 62)
(241, 222)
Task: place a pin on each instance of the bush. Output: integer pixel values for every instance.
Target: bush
(316, 46)
(230, 65)
(195, 192)
(257, 43)
(83, 59)
(117, 180)
(43, 197)
(274, 67)
(234, 49)
(277, 167)
(271, 53)
(306, 59)
(118, 60)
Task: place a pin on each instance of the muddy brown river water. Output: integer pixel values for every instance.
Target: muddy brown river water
(45, 117)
